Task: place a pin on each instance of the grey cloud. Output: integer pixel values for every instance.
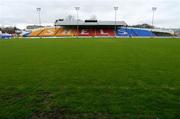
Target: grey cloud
(14, 12)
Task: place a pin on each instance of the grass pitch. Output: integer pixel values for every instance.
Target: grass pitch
(90, 79)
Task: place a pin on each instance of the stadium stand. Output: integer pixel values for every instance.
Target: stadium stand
(90, 28)
(96, 32)
(25, 33)
(91, 32)
(86, 32)
(105, 32)
(145, 33)
(6, 36)
(122, 32)
(65, 32)
(134, 32)
(94, 28)
(52, 32)
(37, 32)
(48, 32)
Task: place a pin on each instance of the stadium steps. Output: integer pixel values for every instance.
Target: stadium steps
(48, 32)
(65, 32)
(36, 32)
(39, 33)
(56, 31)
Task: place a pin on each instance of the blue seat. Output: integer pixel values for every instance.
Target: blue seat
(6, 36)
(122, 32)
(134, 32)
(144, 33)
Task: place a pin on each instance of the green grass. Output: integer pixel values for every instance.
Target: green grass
(90, 78)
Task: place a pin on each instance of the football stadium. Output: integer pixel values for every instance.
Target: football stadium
(94, 28)
(89, 69)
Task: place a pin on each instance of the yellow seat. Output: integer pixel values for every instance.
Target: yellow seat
(36, 32)
(65, 32)
(49, 32)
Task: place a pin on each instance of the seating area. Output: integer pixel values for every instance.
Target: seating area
(90, 32)
(5, 36)
(143, 33)
(96, 32)
(62, 32)
(134, 32)
(65, 32)
(36, 32)
(105, 32)
(48, 32)
(86, 32)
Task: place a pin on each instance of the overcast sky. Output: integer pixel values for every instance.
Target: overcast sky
(21, 12)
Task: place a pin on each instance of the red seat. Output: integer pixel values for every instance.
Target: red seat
(96, 32)
(105, 32)
(86, 32)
